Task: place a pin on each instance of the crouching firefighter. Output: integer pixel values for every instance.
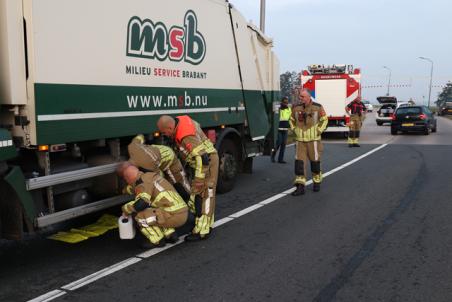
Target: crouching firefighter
(159, 158)
(158, 209)
(198, 152)
(357, 111)
(308, 121)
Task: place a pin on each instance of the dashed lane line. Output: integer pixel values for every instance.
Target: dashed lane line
(130, 261)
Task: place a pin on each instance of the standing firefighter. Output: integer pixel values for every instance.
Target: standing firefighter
(200, 154)
(357, 111)
(308, 121)
(284, 116)
(159, 208)
(156, 158)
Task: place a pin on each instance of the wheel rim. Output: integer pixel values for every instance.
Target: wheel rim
(228, 166)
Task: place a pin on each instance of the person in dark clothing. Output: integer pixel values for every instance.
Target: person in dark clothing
(284, 115)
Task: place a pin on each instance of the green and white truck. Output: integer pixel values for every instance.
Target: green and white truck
(79, 78)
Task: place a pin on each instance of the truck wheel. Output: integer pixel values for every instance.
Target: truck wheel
(228, 167)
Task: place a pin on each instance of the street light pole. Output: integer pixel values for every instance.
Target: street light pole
(389, 81)
(431, 77)
(262, 20)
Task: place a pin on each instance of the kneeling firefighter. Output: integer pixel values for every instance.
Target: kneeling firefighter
(159, 158)
(199, 153)
(157, 207)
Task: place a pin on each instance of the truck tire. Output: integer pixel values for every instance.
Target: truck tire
(228, 167)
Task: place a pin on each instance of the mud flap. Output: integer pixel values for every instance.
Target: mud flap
(16, 205)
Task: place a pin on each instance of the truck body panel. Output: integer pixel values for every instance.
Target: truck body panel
(12, 53)
(79, 78)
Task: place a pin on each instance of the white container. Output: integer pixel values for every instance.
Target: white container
(126, 227)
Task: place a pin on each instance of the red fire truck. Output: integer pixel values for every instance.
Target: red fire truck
(334, 87)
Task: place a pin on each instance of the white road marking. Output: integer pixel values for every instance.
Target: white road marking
(271, 199)
(49, 296)
(130, 261)
(100, 274)
(222, 221)
(246, 210)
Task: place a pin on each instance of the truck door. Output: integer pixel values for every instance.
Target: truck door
(254, 59)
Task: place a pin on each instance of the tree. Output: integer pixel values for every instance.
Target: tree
(290, 83)
(445, 95)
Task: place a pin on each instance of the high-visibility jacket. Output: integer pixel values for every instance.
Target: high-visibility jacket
(308, 121)
(193, 144)
(152, 190)
(153, 158)
(284, 117)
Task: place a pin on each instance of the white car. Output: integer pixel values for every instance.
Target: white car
(388, 106)
(369, 107)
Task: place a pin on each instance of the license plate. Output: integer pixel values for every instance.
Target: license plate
(408, 125)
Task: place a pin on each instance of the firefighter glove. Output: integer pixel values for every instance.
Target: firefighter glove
(197, 186)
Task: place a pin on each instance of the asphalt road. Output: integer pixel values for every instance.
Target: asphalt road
(379, 230)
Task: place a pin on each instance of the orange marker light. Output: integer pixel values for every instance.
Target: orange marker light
(222, 126)
(156, 134)
(43, 147)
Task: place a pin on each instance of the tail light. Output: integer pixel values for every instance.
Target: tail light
(347, 120)
(422, 116)
(393, 117)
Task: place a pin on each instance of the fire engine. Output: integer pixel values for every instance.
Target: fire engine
(333, 86)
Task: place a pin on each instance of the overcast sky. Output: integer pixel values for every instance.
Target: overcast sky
(367, 34)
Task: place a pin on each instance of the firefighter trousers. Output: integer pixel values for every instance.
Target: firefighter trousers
(156, 224)
(203, 204)
(305, 151)
(354, 128)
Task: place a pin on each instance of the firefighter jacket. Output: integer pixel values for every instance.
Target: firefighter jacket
(154, 191)
(153, 158)
(308, 121)
(284, 117)
(193, 144)
(356, 108)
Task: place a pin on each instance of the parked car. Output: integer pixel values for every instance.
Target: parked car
(387, 109)
(445, 109)
(413, 119)
(369, 107)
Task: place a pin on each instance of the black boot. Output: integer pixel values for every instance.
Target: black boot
(146, 244)
(173, 238)
(299, 190)
(196, 237)
(316, 187)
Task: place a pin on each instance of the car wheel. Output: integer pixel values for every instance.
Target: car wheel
(393, 131)
(379, 123)
(426, 131)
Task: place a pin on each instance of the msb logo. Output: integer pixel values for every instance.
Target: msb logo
(151, 40)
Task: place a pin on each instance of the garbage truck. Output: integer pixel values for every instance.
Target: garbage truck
(80, 78)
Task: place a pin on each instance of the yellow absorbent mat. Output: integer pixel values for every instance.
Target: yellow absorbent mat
(101, 226)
